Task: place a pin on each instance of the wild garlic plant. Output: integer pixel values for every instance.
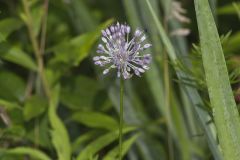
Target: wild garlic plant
(124, 54)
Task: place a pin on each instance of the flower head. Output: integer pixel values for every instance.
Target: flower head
(122, 53)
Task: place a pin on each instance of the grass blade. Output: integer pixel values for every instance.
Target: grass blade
(225, 112)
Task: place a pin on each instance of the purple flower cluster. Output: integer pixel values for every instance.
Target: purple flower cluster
(118, 51)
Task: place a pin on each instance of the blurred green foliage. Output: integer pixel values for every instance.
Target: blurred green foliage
(55, 104)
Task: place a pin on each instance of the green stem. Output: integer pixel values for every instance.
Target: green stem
(121, 117)
(36, 48)
(167, 93)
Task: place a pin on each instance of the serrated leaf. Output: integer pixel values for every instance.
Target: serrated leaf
(225, 113)
(95, 120)
(102, 141)
(59, 134)
(37, 154)
(34, 106)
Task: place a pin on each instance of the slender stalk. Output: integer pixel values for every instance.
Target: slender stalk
(121, 117)
(167, 105)
(44, 27)
(36, 48)
(38, 51)
(167, 94)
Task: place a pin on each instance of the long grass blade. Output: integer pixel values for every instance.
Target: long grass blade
(225, 112)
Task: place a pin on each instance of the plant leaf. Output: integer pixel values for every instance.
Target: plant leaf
(225, 111)
(7, 26)
(9, 105)
(126, 146)
(95, 120)
(12, 86)
(17, 56)
(79, 92)
(37, 154)
(59, 133)
(82, 139)
(34, 107)
(13, 115)
(43, 139)
(73, 51)
(92, 148)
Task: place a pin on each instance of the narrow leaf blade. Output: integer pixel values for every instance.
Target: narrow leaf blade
(37, 154)
(225, 112)
(59, 133)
